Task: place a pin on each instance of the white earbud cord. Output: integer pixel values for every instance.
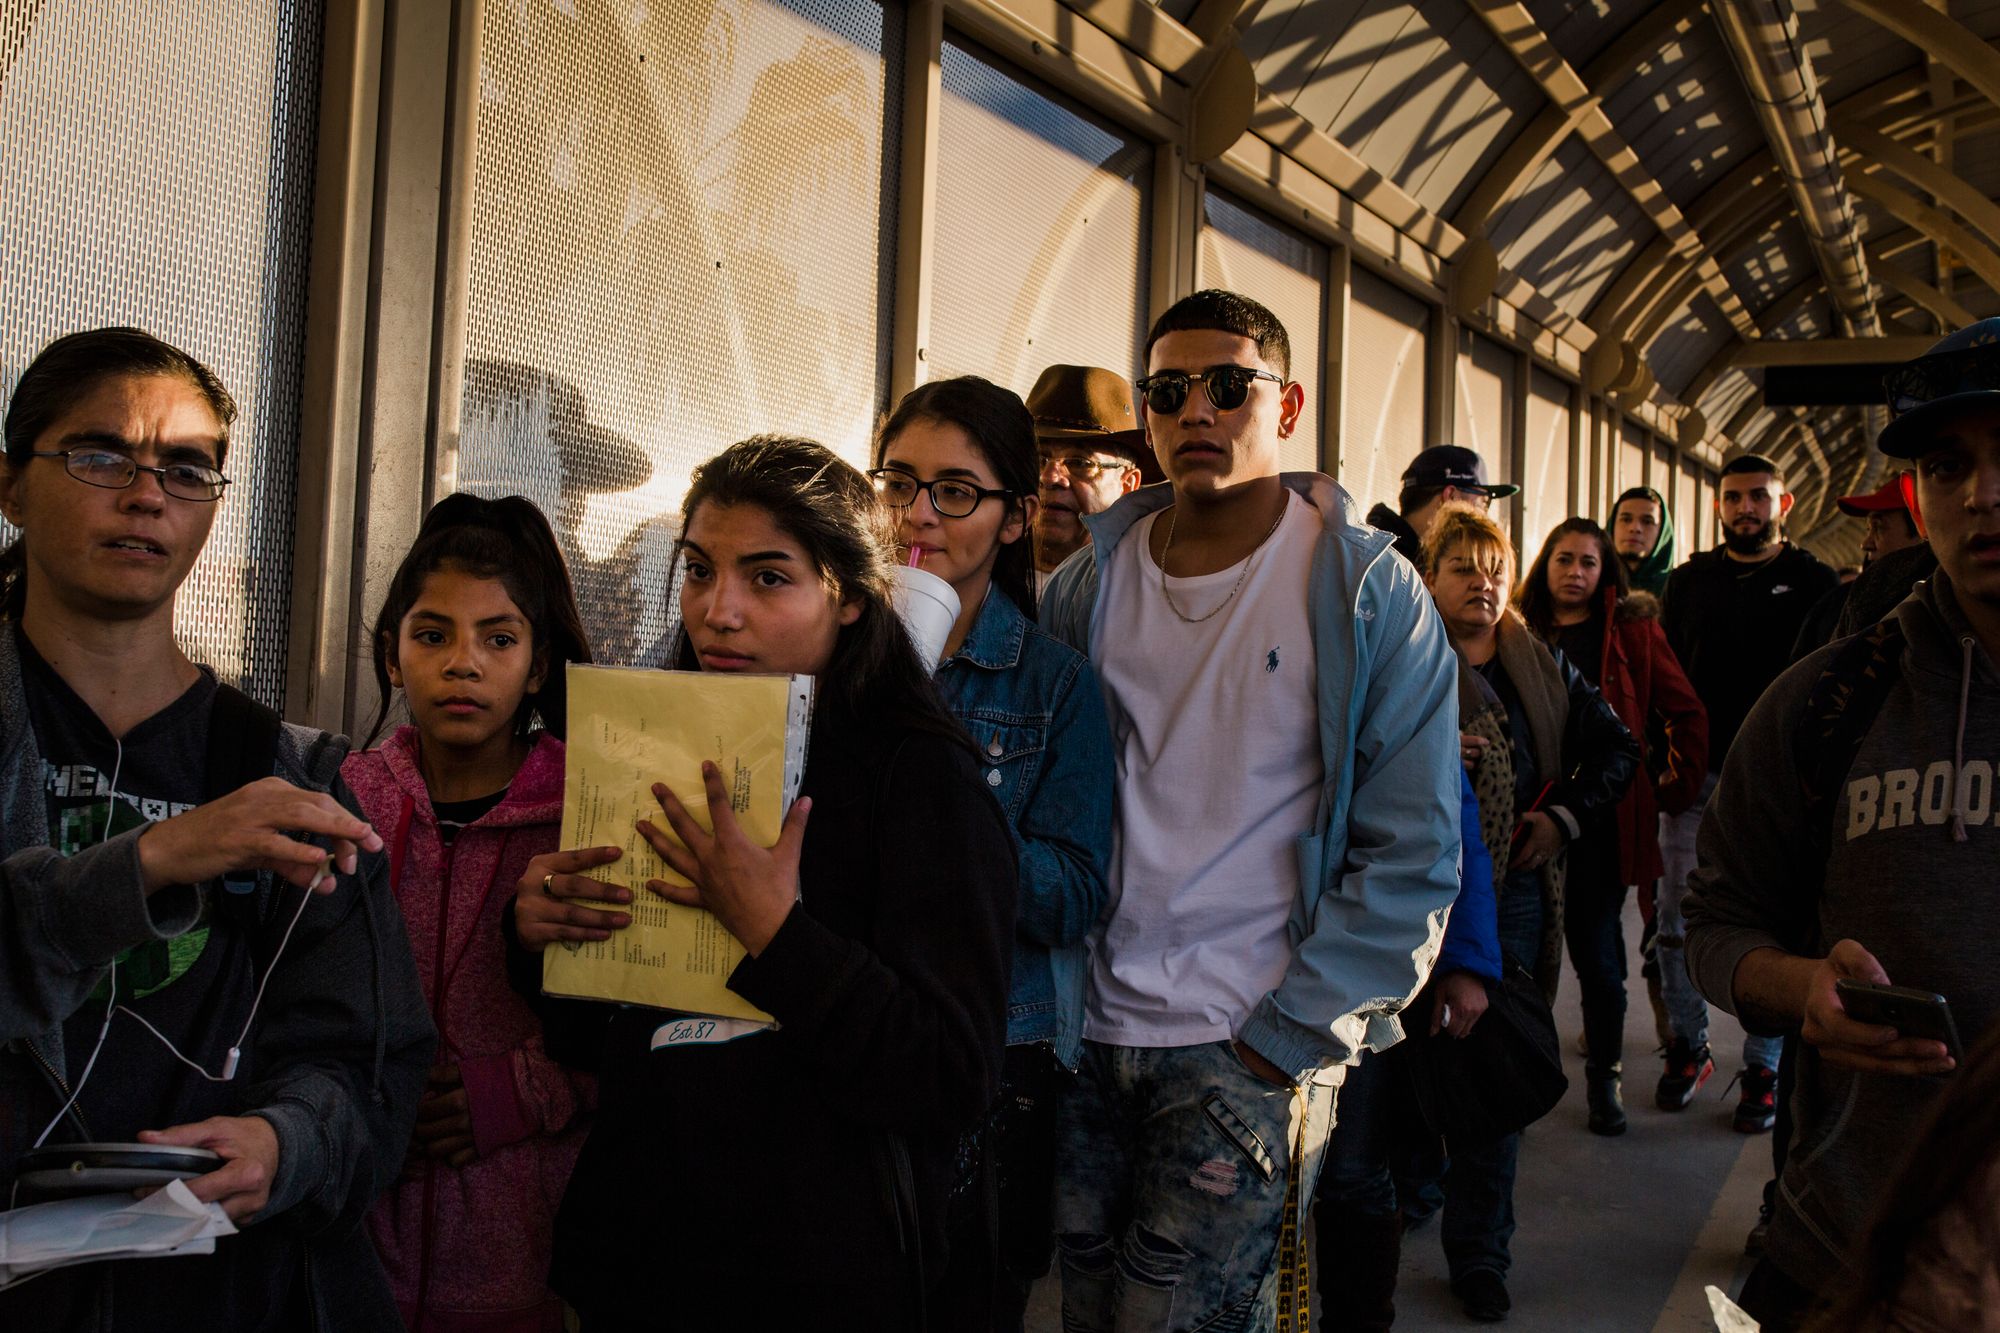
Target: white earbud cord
(112, 1007)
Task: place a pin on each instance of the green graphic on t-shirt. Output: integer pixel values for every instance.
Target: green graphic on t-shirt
(83, 814)
(156, 964)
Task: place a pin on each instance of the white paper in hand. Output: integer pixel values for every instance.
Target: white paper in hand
(107, 1226)
(1729, 1316)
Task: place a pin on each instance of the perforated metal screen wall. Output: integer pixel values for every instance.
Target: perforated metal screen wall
(1484, 415)
(1041, 232)
(1545, 488)
(1244, 251)
(1387, 344)
(1631, 457)
(679, 239)
(156, 169)
(1682, 498)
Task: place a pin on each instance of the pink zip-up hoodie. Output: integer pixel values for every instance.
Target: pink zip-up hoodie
(467, 1248)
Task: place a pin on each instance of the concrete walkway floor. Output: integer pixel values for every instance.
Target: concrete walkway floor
(1617, 1235)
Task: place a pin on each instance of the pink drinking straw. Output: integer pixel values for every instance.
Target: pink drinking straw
(916, 560)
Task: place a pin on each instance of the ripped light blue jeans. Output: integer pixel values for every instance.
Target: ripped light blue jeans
(1171, 1166)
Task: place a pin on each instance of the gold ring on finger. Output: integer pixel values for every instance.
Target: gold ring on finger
(547, 880)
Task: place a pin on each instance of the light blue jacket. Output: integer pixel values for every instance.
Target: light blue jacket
(1380, 866)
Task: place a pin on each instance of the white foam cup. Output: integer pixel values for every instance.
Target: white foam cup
(929, 607)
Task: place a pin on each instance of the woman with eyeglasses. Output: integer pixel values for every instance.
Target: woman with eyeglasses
(956, 464)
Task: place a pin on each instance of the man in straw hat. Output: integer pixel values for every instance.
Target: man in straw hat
(1092, 452)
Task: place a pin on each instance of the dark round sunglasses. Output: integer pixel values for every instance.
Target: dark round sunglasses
(1227, 387)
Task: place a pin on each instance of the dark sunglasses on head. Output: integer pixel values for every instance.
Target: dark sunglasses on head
(1968, 370)
(1227, 387)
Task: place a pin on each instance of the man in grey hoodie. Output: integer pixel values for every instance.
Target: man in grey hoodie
(198, 948)
(1878, 868)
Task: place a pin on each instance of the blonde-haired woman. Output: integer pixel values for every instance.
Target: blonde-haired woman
(1572, 758)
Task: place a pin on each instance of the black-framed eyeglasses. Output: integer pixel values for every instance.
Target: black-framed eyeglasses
(949, 496)
(1082, 467)
(1227, 387)
(114, 472)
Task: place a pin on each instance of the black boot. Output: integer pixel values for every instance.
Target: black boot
(1607, 1108)
(1358, 1259)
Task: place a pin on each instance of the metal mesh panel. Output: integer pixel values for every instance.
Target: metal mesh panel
(1484, 407)
(1684, 500)
(1041, 233)
(156, 169)
(1244, 251)
(1631, 457)
(1545, 488)
(679, 239)
(1387, 344)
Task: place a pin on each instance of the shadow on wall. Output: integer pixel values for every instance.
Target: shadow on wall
(561, 459)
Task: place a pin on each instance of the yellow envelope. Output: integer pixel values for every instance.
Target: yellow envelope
(628, 729)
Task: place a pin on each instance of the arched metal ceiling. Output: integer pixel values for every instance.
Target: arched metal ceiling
(1609, 152)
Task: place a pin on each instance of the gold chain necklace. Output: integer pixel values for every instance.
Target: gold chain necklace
(1238, 587)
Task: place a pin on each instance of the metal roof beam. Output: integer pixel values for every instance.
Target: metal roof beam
(1833, 351)
(1522, 36)
(1721, 215)
(1533, 146)
(1761, 39)
(1914, 212)
(1941, 38)
(1872, 149)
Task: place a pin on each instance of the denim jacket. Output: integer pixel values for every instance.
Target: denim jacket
(1033, 708)
(1379, 867)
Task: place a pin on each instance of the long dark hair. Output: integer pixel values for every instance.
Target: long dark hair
(1003, 430)
(1537, 604)
(830, 509)
(1955, 1152)
(65, 371)
(508, 540)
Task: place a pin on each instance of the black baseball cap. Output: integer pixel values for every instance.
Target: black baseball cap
(1961, 371)
(1453, 465)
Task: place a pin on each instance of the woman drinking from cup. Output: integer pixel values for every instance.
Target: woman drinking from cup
(957, 467)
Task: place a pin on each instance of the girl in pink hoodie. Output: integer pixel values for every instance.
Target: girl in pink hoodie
(475, 632)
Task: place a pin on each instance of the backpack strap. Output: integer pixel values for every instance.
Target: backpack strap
(242, 748)
(242, 743)
(1839, 712)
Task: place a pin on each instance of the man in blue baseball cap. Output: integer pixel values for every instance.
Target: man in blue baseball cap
(1853, 838)
(1440, 475)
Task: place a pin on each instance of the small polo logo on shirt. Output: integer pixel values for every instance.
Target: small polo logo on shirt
(1782, 587)
(1271, 661)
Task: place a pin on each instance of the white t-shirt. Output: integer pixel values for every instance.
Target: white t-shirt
(1216, 730)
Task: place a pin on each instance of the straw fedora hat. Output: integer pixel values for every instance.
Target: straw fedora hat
(1093, 406)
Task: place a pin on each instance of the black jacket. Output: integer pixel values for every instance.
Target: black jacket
(797, 1178)
(1391, 522)
(1733, 626)
(335, 1061)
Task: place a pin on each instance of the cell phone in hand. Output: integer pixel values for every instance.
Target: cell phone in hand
(1913, 1013)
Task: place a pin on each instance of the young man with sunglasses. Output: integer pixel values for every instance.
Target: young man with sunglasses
(1283, 711)
(167, 849)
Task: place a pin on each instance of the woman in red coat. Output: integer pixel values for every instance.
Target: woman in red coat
(1578, 600)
